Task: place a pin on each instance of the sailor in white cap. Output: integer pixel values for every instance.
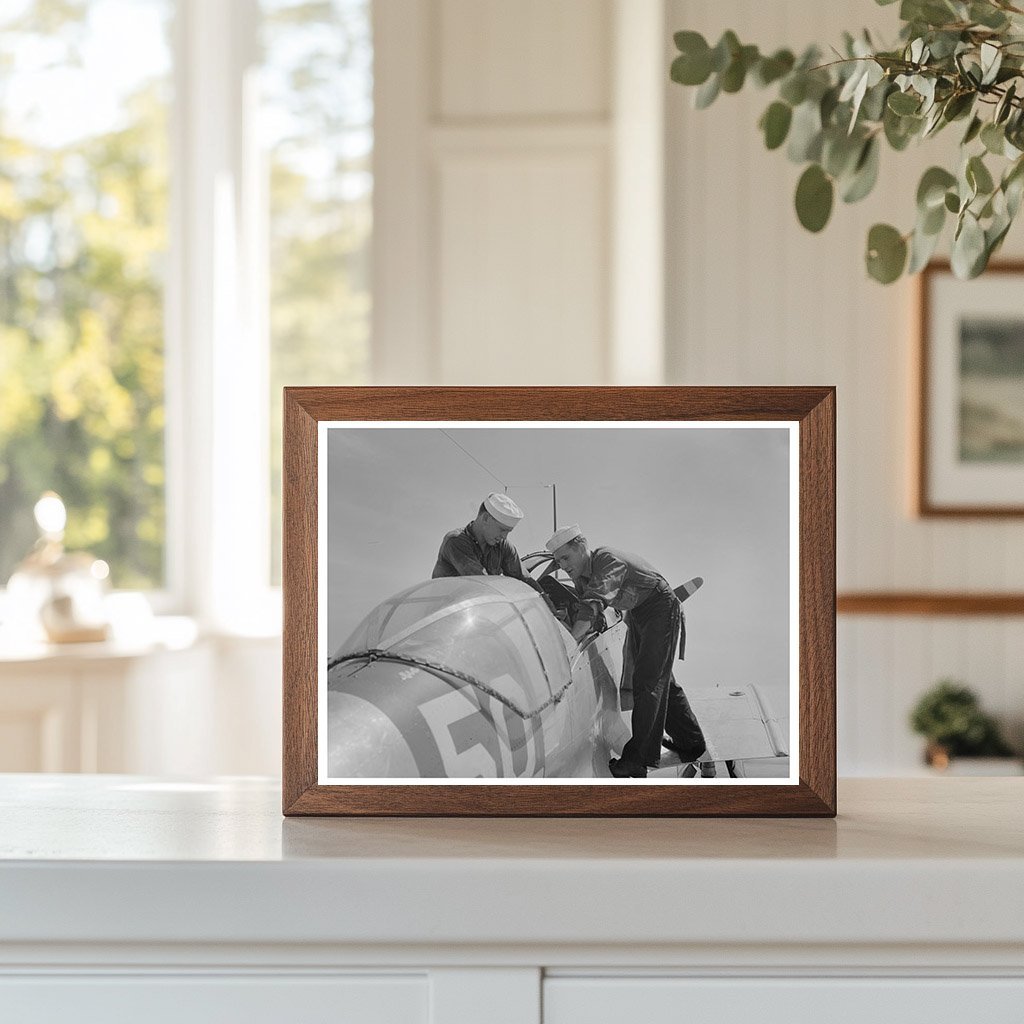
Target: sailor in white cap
(607, 577)
(482, 547)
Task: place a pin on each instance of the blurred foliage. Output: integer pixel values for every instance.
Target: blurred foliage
(950, 716)
(318, 59)
(83, 236)
(82, 229)
(956, 61)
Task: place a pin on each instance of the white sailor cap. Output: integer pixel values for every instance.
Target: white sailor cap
(563, 536)
(503, 508)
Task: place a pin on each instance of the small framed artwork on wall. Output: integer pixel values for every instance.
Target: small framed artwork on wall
(559, 601)
(970, 444)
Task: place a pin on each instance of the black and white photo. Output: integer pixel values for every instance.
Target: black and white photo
(578, 601)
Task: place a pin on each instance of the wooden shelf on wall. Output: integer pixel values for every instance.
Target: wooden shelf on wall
(928, 603)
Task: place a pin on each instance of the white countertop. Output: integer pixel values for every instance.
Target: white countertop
(125, 859)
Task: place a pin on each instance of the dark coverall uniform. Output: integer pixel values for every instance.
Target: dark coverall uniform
(625, 581)
(462, 555)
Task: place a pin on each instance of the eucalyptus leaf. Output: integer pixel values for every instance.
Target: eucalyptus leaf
(724, 51)
(973, 129)
(987, 15)
(827, 106)
(930, 12)
(943, 44)
(1005, 104)
(840, 152)
(903, 103)
(968, 247)
(873, 106)
(931, 190)
(993, 138)
(932, 221)
(865, 173)
(995, 233)
(688, 71)
(735, 74)
(771, 69)
(707, 93)
(775, 124)
(991, 60)
(900, 130)
(922, 248)
(886, 253)
(1014, 191)
(978, 176)
(958, 105)
(933, 122)
(814, 194)
(805, 133)
(1013, 187)
(794, 88)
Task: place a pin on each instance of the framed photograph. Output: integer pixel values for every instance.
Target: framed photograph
(559, 601)
(970, 450)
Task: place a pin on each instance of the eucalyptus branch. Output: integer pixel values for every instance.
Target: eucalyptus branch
(833, 117)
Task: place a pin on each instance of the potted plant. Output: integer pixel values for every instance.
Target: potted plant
(950, 717)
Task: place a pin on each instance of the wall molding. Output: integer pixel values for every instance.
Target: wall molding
(928, 603)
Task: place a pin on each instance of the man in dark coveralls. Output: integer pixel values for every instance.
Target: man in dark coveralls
(608, 577)
(482, 547)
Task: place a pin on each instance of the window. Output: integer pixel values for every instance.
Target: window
(317, 118)
(83, 236)
(185, 221)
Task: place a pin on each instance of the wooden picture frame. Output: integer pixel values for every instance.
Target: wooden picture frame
(804, 416)
(969, 449)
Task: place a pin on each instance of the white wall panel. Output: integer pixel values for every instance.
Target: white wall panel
(522, 297)
(752, 298)
(530, 58)
(493, 239)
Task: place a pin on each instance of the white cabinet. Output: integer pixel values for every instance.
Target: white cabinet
(99, 707)
(172, 704)
(824, 1000)
(201, 999)
(127, 899)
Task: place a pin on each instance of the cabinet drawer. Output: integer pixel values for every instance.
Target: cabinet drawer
(569, 1000)
(202, 999)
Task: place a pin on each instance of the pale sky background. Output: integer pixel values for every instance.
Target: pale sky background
(693, 502)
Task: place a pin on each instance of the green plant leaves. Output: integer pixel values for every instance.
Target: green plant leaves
(969, 254)
(707, 93)
(904, 103)
(805, 133)
(814, 195)
(931, 191)
(955, 60)
(887, 253)
(771, 69)
(693, 65)
(775, 122)
(922, 248)
(988, 16)
(865, 173)
(993, 138)
(735, 74)
(978, 176)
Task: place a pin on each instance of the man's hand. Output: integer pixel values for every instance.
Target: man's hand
(580, 630)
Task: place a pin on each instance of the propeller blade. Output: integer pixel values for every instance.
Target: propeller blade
(688, 588)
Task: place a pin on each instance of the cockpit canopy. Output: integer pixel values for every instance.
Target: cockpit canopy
(492, 628)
